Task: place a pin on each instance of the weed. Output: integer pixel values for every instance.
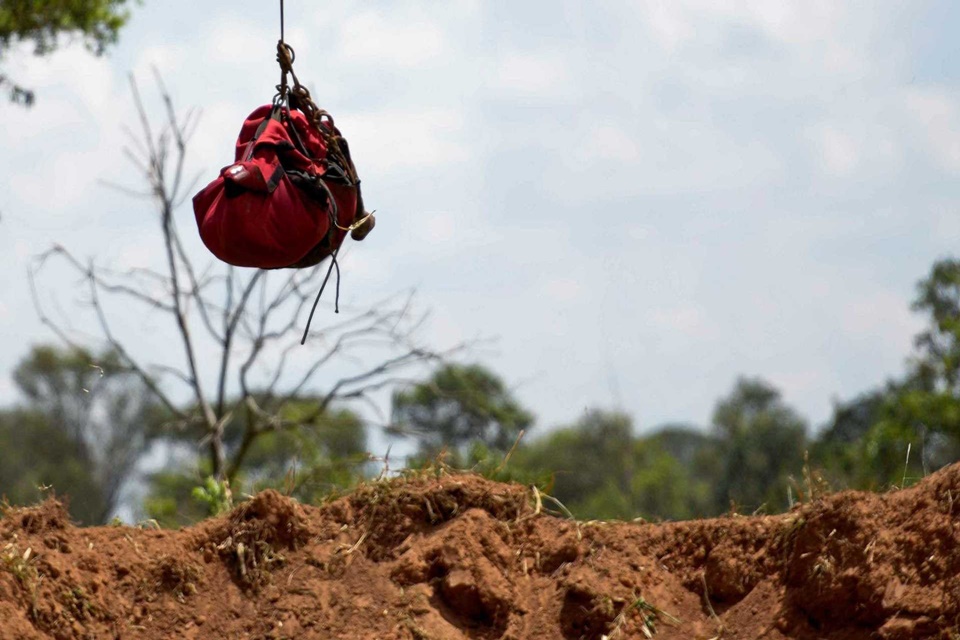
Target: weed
(814, 486)
(648, 613)
(22, 567)
(17, 564)
(706, 598)
(416, 630)
(785, 538)
(215, 495)
(823, 567)
(78, 603)
(539, 497)
(249, 539)
(252, 561)
(176, 577)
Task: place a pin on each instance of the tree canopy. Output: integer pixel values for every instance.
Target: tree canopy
(47, 24)
(761, 441)
(85, 424)
(457, 406)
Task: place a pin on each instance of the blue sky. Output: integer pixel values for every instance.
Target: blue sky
(640, 200)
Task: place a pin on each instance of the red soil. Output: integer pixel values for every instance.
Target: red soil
(462, 557)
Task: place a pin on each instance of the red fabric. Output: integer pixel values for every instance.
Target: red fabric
(253, 215)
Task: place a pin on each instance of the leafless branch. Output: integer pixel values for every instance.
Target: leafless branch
(252, 318)
(124, 354)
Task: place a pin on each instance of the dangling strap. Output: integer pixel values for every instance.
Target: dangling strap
(336, 302)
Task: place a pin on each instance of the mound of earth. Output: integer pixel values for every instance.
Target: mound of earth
(458, 556)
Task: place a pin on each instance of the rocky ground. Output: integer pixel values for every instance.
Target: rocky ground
(457, 556)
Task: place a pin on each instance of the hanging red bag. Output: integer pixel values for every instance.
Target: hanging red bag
(285, 202)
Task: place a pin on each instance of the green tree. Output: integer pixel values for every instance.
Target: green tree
(592, 456)
(659, 488)
(937, 361)
(308, 463)
(599, 469)
(36, 455)
(865, 443)
(47, 24)
(95, 417)
(910, 426)
(761, 443)
(930, 398)
(457, 406)
(696, 452)
(920, 414)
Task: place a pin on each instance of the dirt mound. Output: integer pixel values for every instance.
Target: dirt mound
(457, 556)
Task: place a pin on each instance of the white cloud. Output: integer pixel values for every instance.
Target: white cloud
(688, 321)
(540, 74)
(73, 89)
(446, 328)
(609, 142)
(438, 227)
(791, 22)
(946, 216)
(22, 249)
(375, 37)
(391, 140)
(937, 113)
(838, 151)
(212, 145)
(232, 41)
(137, 254)
(83, 79)
(164, 58)
(667, 23)
(58, 114)
(563, 290)
(881, 318)
(801, 382)
(678, 22)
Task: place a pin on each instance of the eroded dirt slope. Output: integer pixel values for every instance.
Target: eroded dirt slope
(456, 557)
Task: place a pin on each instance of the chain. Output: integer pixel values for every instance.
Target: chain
(298, 97)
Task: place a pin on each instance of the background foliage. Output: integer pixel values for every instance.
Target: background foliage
(89, 423)
(47, 24)
(85, 422)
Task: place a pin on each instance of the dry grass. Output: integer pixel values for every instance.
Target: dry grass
(23, 567)
(649, 615)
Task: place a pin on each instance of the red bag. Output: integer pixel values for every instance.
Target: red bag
(284, 202)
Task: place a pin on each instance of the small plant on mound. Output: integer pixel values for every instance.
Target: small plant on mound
(77, 602)
(814, 485)
(176, 577)
(215, 495)
(23, 568)
(648, 615)
(250, 539)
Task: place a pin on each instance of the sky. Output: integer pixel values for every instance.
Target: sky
(639, 201)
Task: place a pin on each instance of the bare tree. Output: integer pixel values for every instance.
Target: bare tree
(250, 320)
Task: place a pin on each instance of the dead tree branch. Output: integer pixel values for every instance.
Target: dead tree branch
(236, 331)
